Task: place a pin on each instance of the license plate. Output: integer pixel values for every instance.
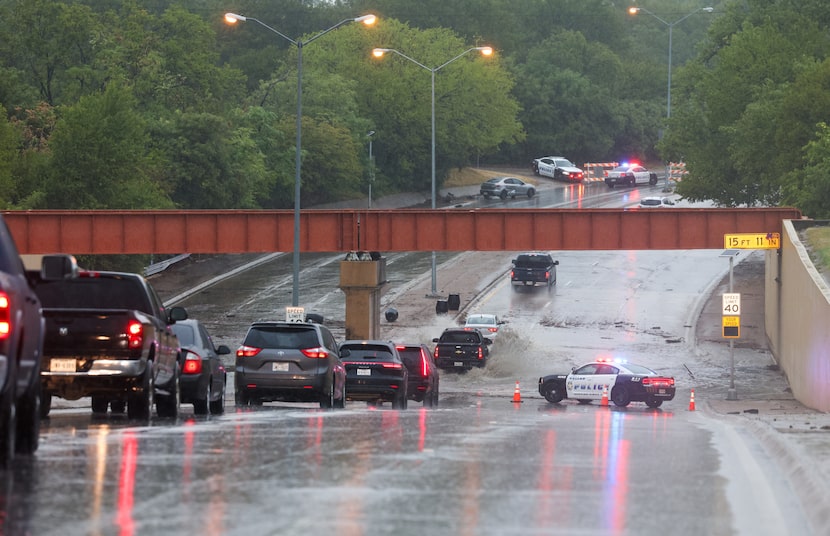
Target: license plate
(279, 367)
(62, 365)
(364, 372)
(459, 364)
(662, 391)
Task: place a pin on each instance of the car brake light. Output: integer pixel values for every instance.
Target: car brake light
(658, 382)
(435, 353)
(492, 330)
(392, 365)
(5, 316)
(135, 334)
(247, 351)
(315, 353)
(512, 274)
(480, 353)
(193, 365)
(424, 365)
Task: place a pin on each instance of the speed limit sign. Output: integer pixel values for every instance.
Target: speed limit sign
(732, 304)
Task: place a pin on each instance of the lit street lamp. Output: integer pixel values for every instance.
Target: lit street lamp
(378, 53)
(233, 18)
(671, 25)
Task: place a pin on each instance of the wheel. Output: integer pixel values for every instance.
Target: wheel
(653, 402)
(429, 400)
(45, 403)
(168, 406)
(340, 403)
(552, 394)
(100, 405)
(503, 194)
(652, 179)
(28, 421)
(530, 193)
(620, 396)
(140, 404)
(241, 397)
(486, 196)
(200, 405)
(217, 407)
(611, 186)
(118, 406)
(327, 400)
(8, 428)
(399, 402)
(584, 401)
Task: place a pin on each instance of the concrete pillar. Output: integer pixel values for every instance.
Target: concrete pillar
(361, 281)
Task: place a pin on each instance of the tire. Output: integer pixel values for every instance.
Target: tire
(340, 403)
(327, 400)
(503, 195)
(28, 421)
(530, 193)
(45, 404)
(652, 179)
(399, 402)
(100, 405)
(552, 394)
(8, 428)
(429, 400)
(217, 407)
(653, 403)
(241, 397)
(200, 405)
(168, 406)
(140, 404)
(620, 396)
(118, 406)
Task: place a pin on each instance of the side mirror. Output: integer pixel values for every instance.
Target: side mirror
(345, 352)
(222, 350)
(55, 267)
(556, 263)
(436, 339)
(176, 314)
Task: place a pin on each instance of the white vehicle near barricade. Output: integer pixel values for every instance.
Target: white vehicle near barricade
(557, 167)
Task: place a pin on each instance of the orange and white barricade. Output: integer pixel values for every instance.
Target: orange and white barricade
(677, 170)
(596, 171)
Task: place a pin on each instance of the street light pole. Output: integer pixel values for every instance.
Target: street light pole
(233, 18)
(371, 166)
(671, 25)
(378, 53)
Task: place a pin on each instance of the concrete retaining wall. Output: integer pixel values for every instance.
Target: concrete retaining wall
(797, 317)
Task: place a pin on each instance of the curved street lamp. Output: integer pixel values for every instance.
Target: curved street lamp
(378, 53)
(671, 25)
(233, 18)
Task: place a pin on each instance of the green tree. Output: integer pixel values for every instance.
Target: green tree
(809, 188)
(9, 141)
(99, 156)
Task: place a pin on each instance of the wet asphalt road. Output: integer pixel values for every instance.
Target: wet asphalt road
(478, 464)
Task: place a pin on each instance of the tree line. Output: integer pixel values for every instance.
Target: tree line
(151, 104)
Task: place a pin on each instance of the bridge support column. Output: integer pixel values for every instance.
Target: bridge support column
(361, 281)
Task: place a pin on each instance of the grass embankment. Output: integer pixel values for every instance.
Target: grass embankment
(818, 241)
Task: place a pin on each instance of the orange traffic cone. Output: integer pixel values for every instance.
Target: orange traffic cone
(517, 396)
(692, 401)
(604, 401)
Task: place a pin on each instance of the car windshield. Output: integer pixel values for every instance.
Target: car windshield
(375, 352)
(533, 260)
(639, 369)
(411, 357)
(285, 337)
(462, 337)
(562, 162)
(649, 201)
(185, 334)
(481, 319)
(494, 180)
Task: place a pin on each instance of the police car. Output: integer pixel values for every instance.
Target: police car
(626, 383)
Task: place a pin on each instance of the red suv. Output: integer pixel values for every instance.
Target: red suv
(423, 374)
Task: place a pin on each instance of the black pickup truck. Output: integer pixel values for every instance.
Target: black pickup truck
(461, 349)
(108, 336)
(21, 346)
(531, 269)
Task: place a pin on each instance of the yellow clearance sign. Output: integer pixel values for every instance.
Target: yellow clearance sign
(752, 241)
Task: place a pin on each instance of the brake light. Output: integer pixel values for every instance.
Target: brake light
(480, 352)
(315, 353)
(392, 365)
(5, 316)
(86, 273)
(247, 351)
(193, 365)
(658, 382)
(135, 334)
(435, 353)
(424, 365)
(492, 330)
(512, 274)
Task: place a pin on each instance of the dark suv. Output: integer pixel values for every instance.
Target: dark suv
(423, 374)
(375, 373)
(289, 362)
